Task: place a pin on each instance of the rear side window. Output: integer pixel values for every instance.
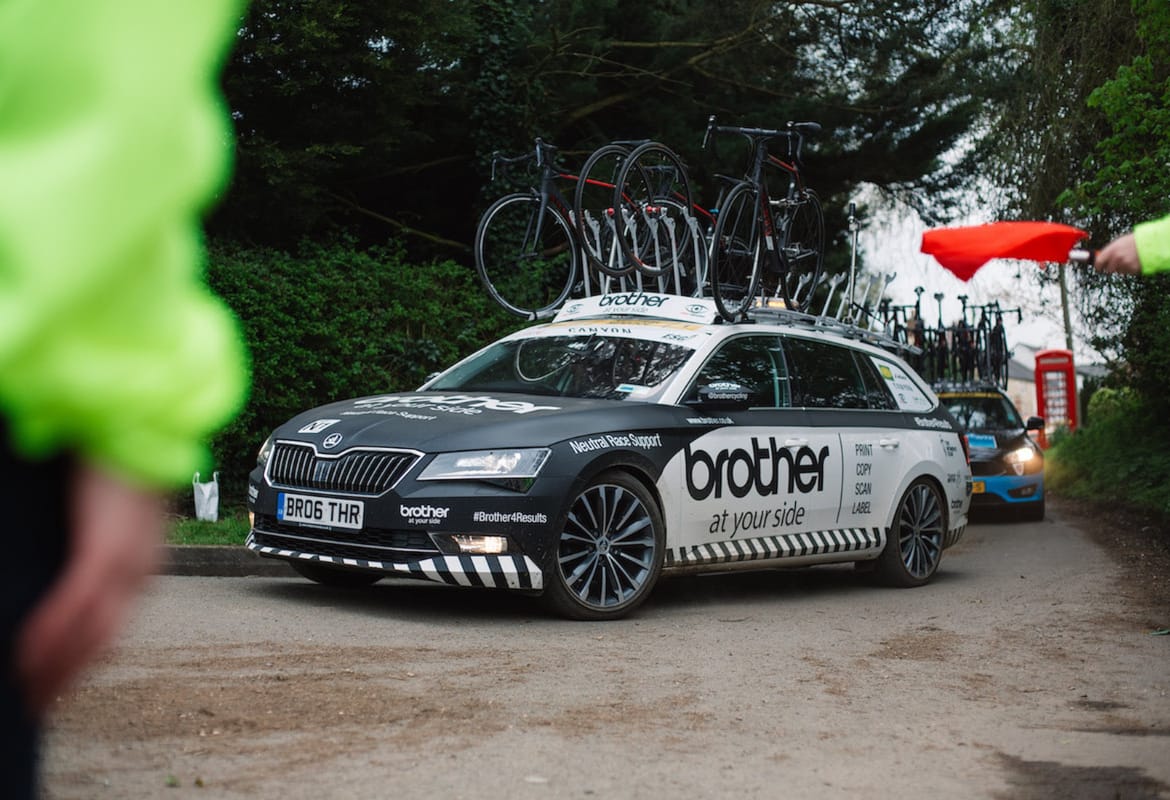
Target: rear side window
(826, 375)
(907, 393)
(876, 390)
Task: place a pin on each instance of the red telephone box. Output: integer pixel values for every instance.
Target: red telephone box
(1056, 392)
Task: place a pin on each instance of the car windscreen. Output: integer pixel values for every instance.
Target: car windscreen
(594, 365)
(983, 412)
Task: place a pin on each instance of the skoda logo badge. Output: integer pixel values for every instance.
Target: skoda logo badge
(332, 440)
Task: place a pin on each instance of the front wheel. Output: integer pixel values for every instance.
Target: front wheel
(610, 549)
(526, 257)
(914, 548)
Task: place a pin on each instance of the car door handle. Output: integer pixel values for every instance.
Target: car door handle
(795, 442)
(889, 444)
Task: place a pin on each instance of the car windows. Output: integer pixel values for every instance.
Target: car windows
(877, 392)
(612, 367)
(827, 375)
(984, 412)
(751, 368)
(908, 395)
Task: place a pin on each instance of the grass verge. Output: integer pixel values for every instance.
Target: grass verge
(228, 530)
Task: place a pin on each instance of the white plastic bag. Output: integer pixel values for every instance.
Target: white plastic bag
(207, 498)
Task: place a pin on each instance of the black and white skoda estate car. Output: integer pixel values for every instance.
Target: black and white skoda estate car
(632, 436)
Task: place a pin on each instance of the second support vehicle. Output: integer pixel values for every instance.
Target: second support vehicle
(1006, 463)
(632, 436)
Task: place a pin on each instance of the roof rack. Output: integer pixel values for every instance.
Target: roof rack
(785, 316)
(965, 386)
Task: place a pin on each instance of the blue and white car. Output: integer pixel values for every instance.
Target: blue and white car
(1006, 463)
(633, 436)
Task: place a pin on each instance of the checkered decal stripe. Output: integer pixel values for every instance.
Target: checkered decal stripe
(494, 572)
(789, 545)
(953, 536)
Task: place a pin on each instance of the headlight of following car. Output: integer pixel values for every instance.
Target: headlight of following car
(265, 453)
(1019, 458)
(491, 465)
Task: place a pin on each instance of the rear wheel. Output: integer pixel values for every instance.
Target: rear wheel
(335, 576)
(609, 554)
(803, 254)
(734, 266)
(914, 548)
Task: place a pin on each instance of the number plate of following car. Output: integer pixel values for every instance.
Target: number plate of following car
(321, 511)
(978, 487)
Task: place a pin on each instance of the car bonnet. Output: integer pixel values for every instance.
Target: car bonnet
(442, 421)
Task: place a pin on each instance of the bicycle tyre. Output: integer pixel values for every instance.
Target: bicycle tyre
(653, 188)
(593, 209)
(686, 273)
(802, 252)
(999, 356)
(528, 278)
(940, 355)
(734, 263)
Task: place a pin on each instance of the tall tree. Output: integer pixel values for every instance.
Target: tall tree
(340, 107)
(1129, 183)
(378, 119)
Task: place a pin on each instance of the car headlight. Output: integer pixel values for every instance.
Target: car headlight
(1019, 458)
(265, 453)
(1021, 455)
(493, 465)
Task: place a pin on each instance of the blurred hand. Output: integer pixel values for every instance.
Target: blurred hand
(1119, 256)
(113, 547)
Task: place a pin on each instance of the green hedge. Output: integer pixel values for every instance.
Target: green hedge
(330, 322)
(1120, 458)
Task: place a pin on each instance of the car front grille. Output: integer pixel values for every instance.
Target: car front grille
(370, 544)
(368, 472)
(987, 469)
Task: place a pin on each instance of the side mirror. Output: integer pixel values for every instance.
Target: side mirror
(1035, 424)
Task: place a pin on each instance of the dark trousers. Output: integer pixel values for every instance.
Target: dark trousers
(34, 514)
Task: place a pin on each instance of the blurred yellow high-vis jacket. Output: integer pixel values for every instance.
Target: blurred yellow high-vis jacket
(1153, 245)
(113, 142)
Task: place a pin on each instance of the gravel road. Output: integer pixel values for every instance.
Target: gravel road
(1029, 669)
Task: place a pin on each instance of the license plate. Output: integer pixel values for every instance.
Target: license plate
(978, 487)
(321, 511)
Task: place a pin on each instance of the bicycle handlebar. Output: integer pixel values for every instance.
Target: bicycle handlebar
(793, 131)
(543, 153)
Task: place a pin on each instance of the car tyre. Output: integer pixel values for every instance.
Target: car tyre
(915, 542)
(335, 576)
(609, 551)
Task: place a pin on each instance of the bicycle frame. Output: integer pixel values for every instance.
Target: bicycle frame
(781, 255)
(760, 160)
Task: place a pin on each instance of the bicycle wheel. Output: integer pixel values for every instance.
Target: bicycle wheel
(802, 253)
(594, 211)
(526, 259)
(734, 265)
(999, 356)
(656, 224)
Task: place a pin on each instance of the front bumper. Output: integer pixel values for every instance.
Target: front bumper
(517, 572)
(1000, 490)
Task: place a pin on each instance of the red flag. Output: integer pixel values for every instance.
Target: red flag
(964, 250)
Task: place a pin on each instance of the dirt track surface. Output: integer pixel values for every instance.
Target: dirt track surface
(1030, 669)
